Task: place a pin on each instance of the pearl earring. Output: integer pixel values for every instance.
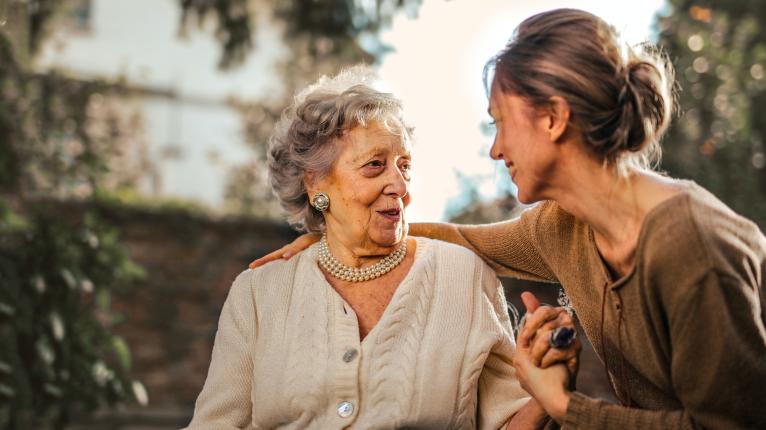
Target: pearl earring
(320, 202)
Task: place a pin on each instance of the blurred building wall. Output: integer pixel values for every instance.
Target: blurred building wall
(194, 136)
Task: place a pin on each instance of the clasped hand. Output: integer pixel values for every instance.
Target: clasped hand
(547, 373)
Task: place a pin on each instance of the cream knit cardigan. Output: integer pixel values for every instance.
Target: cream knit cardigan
(287, 352)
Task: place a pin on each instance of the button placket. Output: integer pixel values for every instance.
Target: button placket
(347, 352)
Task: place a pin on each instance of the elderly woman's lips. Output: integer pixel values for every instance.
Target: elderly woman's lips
(392, 214)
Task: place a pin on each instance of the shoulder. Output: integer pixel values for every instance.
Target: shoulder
(719, 226)
(273, 277)
(280, 268)
(557, 232)
(449, 258)
(697, 233)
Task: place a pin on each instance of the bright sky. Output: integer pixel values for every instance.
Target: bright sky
(436, 69)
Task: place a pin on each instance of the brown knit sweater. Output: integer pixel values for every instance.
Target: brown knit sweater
(682, 335)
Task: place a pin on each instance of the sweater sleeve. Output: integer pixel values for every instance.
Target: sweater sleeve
(509, 247)
(225, 401)
(499, 393)
(718, 364)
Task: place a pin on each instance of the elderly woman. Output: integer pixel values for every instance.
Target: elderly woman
(368, 328)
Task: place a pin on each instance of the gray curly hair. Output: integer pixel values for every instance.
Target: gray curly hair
(304, 139)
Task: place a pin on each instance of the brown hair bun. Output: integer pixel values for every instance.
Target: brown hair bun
(621, 100)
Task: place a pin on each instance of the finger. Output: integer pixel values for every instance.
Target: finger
(299, 244)
(540, 345)
(302, 242)
(541, 341)
(563, 319)
(555, 356)
(564, 354)
(520, 358)
(573, 365)
(274, 255)
(530, 301)
(536, 320)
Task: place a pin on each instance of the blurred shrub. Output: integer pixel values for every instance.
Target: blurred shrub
(719, 51)
(58, 357)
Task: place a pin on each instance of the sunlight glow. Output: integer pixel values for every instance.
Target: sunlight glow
(436, 69)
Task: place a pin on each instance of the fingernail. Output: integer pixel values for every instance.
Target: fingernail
(287, 255)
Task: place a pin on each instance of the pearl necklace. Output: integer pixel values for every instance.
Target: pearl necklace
(353, 274)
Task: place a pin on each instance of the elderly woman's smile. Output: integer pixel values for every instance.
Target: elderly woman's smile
(369, 190)
(392, 214)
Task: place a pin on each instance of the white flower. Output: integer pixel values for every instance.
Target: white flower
(45, 352)
(68, 278)
(57, 327)
(139, 391)
(91, 239)
(39, 283)
(101, 373)
(86, 285)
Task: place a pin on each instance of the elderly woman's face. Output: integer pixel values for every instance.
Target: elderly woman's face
(368, 188)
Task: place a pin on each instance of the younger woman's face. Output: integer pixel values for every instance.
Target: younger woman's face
(523, 143)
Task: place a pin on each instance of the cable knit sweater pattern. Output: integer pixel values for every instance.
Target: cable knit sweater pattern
(287, 352)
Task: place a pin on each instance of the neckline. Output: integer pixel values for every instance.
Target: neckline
(421, 248)
(686, 187)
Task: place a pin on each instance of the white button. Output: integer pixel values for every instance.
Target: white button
(345, 409)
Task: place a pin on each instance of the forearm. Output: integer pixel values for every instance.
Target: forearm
(587, 413)
(506, 247)
(530, 417)
(440, 231)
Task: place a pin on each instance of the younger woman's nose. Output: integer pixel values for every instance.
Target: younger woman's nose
(494, 151)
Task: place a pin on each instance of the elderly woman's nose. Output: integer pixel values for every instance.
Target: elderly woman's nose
(398, 184)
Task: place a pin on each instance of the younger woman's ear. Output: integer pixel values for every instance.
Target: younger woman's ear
(558, 117)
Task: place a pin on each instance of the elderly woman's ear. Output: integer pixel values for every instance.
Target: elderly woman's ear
(313, 185)
(310, 183)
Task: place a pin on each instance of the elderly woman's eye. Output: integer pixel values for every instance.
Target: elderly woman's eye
(376, 163)
(406, 167)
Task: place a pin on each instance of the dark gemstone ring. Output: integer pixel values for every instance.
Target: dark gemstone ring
(562, 337)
